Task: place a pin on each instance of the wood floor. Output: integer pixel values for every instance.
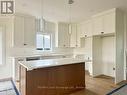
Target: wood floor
(98, 86)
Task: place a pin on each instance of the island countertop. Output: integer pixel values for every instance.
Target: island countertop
(31, 65)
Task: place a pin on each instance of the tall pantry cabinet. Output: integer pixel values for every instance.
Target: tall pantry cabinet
(108, 25)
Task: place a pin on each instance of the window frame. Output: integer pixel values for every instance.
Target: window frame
(43, 49)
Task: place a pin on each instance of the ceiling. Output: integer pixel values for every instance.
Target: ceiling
(58, 10)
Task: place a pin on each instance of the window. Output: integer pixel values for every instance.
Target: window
(43, 42)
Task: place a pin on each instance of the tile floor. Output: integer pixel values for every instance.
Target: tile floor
(7, 88)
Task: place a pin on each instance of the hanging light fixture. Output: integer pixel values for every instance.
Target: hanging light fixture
(70, 2)
(42, 20)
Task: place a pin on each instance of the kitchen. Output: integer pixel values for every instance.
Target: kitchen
(99, 42)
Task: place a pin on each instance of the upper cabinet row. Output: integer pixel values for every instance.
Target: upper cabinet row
(100, 24)
(103, 23)
(25, 28)
(67, 35)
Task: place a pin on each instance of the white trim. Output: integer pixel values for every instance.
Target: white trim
(3, 45)
(105, 12)
(125, 45)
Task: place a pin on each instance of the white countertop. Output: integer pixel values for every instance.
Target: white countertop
(30, 65)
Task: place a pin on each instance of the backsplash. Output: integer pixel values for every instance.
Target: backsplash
(31, 51)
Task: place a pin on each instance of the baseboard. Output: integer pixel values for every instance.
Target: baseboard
(6, 79)
(122, 82)
(102, 75)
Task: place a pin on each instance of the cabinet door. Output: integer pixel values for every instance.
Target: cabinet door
(78, 43)
(109, 23)
(18, 31)
(66, 35)
(60, 36)
(98, 25)
(83, 30)
(29, 32)
(73, 39)
(86, 29)
(89, 29)
(63, 35)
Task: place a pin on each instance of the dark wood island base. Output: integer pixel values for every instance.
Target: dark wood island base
(57, 80)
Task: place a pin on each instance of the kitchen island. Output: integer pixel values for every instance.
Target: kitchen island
(52, 77)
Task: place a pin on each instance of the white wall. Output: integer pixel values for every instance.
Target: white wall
(108, 55)
(6, 68)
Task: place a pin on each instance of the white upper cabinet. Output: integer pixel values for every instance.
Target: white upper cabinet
(29, 32)
(104, 23)
(86, 29)
(78, 37)
(81, 29)
(62, 35)
(18, 40)
(24, 31)
(109, 23)
(98, 25)
(67, 35)
(75, 36)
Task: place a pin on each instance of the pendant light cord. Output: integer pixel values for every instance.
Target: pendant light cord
(42, 6)
(70, 2)
(42, 21)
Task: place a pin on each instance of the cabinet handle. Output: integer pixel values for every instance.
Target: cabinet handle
(20, 59)
(102, 32)
(25, 44)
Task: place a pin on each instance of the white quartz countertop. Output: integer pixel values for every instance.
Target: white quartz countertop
(30, 65)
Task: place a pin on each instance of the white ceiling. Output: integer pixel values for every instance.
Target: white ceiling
(58, 10)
